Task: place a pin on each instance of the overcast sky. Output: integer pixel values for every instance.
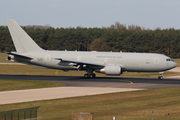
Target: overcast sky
(92, 13)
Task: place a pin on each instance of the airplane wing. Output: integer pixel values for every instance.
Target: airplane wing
(89, 64)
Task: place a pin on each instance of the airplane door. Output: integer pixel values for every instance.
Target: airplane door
(47, 58)
(156, 61)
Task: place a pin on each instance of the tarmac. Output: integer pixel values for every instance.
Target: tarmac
(80, 86)
(19, 96)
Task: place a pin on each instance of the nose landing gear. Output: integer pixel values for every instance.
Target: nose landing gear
(160, 75)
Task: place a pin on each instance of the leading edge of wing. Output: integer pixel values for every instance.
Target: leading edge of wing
(82, 62)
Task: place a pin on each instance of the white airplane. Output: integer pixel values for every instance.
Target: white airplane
(109, 63)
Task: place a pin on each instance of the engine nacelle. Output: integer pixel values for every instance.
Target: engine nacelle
(10, 58)
(111, 70)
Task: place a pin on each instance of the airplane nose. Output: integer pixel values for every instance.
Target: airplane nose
(175, 64)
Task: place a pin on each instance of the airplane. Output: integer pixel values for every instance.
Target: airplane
(109, 63)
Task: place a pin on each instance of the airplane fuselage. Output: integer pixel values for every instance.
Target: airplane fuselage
(133, 62)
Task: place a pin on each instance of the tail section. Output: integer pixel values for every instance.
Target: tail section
(22, 41)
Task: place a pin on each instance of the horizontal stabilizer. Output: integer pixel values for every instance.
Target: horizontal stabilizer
(19, 55)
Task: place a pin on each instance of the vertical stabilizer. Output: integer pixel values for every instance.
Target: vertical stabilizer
(22, 41)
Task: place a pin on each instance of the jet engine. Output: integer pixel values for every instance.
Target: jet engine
(111, 70)
(10, 58)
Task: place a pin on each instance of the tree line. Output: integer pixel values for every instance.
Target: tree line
(115, 38)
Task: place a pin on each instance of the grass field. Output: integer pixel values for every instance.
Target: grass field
(6, 85)
(136, 105)
(3, 57)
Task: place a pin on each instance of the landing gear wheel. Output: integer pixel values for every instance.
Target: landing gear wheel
(90, 75)
(86, 76)
(160, 77)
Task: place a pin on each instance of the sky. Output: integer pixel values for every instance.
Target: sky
(150, 14)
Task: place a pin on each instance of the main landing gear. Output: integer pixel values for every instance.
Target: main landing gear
(92, 75)
(160, 75)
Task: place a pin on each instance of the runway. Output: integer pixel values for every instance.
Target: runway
(80, 86)
(116, 82)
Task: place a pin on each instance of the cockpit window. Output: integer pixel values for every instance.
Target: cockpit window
(169, 60)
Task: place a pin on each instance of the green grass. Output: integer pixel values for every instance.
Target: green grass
(3, 57)
(25, 84)
(136, 105)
